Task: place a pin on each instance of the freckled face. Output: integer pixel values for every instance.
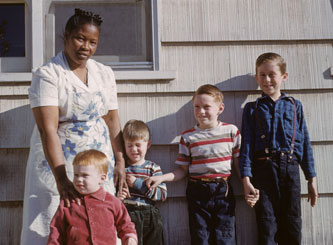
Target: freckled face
(81, 44)
(207, 110)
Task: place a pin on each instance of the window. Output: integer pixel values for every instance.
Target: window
(127, 32)
(14, 54)
(12, 30)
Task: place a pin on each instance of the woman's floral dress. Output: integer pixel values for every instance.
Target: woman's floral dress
(81, 127)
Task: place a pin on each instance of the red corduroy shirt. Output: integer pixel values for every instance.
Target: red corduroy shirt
(95, 221)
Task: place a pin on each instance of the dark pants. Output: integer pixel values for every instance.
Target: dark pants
(148, 224)
(211, 213)
(278, 210)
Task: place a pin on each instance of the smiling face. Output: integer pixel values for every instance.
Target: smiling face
(136, 150)
(87, 179)
(207, 110)
(80, 45)
(270, 78)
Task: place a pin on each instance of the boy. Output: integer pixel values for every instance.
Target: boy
(206, 153)
(139, 200)
(275, 140)
(100, 214)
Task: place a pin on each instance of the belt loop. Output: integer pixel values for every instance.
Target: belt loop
(227, 188)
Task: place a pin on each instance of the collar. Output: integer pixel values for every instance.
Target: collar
(266, 97)
(99, 195)
(219, 123)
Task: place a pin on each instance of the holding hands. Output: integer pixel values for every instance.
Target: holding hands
(153, 181)
(124, 193)
(251, 194)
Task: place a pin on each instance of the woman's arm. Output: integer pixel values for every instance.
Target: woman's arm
(47, 120)
(116, 137)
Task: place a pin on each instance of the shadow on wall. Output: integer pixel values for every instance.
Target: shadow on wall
(171, 126)
(16, 127)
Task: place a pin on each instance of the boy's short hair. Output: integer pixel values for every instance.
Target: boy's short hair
(210, 90)
(92, 157)
(136, 130)
(272, 57)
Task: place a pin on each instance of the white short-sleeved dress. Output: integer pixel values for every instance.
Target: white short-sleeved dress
(81, 127)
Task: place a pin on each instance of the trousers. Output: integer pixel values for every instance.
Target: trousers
(211, 208)
(278, 210)
(148, 224)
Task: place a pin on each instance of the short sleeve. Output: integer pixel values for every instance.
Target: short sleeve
(44, 88)
(236, 143)
(111, 91)
(184, 156)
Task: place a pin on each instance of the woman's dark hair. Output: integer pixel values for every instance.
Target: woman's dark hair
(82, 17)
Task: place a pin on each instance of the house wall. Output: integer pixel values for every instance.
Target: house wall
(215, 42)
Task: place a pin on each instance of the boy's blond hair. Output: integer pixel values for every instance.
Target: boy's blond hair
(92, 157)
(210, 90)
(136, 130)
(272, 57)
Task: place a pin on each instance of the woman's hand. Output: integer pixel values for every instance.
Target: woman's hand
(65, 186)
(119, 176)
(67, 192)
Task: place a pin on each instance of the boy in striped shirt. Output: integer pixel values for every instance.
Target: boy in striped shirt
(206, 153)
(138, 199)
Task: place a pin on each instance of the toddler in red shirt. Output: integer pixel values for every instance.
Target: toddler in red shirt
(99, 216)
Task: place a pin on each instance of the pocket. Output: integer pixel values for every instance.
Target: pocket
(288, 120)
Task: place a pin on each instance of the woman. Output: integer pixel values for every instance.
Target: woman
(70, 96)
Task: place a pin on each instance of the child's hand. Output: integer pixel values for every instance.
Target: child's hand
(130, 179)
(153, 182)
(123, 194)
(130, 241)
(251, 194)
(312, 191)
(251, 199)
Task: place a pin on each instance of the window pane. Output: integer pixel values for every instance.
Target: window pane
(12, 30)
(125, 32)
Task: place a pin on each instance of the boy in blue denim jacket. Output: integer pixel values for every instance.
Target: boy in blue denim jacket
(275, 141)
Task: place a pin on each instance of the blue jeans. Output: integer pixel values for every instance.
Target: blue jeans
(278, 210)
(211, 213)
(148, 224)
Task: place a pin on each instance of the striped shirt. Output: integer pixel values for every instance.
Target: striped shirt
(209, 152)
(139, 192)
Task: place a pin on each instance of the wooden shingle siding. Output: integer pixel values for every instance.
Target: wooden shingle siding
(16, 121)
(10, 222)
(12, 174)
(204, 41)
(237, 20)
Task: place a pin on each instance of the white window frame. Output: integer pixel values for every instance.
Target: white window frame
(50, 36)
(39, 36)
(19, 64)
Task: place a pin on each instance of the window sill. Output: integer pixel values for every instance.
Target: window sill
(153, 76)
(147, 76)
